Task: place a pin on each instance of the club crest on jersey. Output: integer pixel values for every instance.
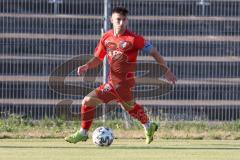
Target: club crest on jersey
(106, 88)
(125, 45)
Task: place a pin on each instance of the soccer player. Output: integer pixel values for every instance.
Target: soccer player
(121, 47)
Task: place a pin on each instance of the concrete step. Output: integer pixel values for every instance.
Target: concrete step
(85, 25)
(45, 44)
(182, 69)
(33, 87)
(130, 17)
(20, 24)
(179, 103)
(96, 7)
(44, 6)
(97, 37)
(141, 57)
(98, 79)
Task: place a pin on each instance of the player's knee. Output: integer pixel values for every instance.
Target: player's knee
(86, 101)
(128, 105)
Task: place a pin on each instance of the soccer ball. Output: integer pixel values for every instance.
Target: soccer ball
(102, 136)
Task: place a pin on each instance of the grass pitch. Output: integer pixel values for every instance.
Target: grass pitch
(121, 149)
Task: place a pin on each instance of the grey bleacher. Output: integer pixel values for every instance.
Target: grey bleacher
(37, 36)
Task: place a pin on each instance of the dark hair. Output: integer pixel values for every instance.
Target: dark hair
(121, 10)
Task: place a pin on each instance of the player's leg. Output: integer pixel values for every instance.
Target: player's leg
(87, 115)
(136, 111)
(88, 108)
(102, 94)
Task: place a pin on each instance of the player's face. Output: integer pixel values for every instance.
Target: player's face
(119, 22)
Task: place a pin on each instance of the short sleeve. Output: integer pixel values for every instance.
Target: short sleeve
(100, 50)
(139, 42)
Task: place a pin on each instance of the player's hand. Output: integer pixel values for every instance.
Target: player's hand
(82, 69)
(170, 76)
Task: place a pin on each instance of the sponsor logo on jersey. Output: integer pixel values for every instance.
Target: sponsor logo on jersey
(110, 45)
(125, 45)
(115, 54)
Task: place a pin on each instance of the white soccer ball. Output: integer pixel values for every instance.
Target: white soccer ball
(102, 136)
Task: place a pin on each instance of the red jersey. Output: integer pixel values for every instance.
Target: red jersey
(122, 54)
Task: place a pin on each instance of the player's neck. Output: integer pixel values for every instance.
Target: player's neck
(118, 33)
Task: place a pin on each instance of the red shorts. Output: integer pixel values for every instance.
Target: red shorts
(107, 93)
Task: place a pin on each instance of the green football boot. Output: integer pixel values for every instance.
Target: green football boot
(150, 132)
(76, 137)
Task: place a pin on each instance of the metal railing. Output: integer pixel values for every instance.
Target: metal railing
(199, 39)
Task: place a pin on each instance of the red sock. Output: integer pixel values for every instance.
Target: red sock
(138, 113)
(87, 115)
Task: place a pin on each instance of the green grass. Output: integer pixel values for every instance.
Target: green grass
(17, 127)
(121, 149)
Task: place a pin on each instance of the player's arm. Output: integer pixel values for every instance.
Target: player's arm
(99, 55)
(148, 48)
(159, 59)
(92, 63)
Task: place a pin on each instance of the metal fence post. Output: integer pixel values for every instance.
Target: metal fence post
(203, 3)
(107, 10)
(56, 5)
